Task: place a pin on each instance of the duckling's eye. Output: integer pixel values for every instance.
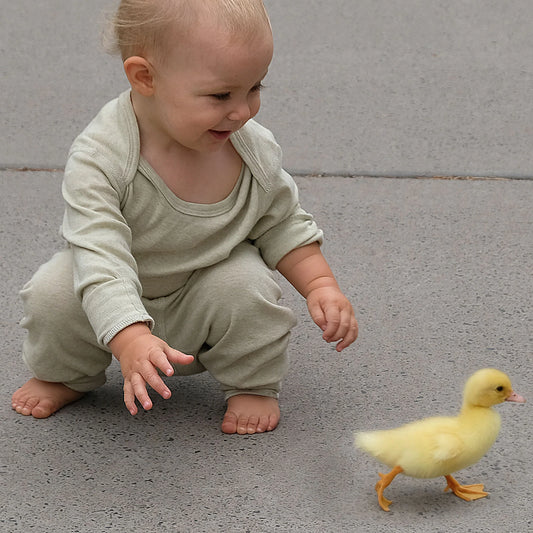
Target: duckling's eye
(499, 389)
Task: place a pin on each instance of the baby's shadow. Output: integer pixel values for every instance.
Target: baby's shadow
(196, 403)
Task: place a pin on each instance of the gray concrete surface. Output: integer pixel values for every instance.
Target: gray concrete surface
(439, 272)
(372, 87)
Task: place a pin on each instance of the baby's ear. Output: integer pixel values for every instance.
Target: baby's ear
(139, 73)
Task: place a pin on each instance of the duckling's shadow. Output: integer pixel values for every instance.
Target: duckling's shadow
(427, 501)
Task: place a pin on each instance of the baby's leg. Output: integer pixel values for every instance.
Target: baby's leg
(60, 348)
(233, 306)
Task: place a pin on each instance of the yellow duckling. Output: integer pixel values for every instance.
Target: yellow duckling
(438, 446)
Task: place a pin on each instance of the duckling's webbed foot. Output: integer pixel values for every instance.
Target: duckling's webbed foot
(466, 492)
(383, 483)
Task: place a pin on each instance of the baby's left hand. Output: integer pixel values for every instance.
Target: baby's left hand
(334, 315)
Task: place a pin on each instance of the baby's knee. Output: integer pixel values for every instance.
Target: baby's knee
(247, 279)
(49, 295)
(252, 300)
(249, 308)
(255, 287)
(60, 345)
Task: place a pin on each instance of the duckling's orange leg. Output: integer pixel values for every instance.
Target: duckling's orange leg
(466, 492)
(383, 483)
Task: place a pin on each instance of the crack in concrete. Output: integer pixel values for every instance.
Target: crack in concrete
(330, 174)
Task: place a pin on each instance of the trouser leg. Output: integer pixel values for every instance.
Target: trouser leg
(228, 315)
(60, 345)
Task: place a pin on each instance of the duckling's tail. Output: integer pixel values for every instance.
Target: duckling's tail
(369, 441)
(380, 444)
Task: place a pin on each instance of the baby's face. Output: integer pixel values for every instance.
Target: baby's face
(209, 86)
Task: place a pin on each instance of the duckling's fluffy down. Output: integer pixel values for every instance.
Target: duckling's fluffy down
(432, 447)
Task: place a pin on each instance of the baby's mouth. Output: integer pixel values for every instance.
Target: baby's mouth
(220, 135)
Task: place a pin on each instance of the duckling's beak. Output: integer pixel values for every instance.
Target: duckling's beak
(513, 397)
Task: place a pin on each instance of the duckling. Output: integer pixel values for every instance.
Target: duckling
(439, 446)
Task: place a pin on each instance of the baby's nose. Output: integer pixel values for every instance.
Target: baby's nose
(241, 112)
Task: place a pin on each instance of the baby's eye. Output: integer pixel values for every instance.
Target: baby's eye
(221, 96)
(258, 87)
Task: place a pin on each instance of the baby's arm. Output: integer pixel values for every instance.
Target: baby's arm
(308, 271)
(140, 355)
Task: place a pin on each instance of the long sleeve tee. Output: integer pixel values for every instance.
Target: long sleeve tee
(133, 238)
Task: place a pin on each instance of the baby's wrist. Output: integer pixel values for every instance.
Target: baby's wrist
(126, 336)
(324, 282)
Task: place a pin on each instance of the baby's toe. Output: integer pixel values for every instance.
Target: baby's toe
(24, 406)
(244, 426)
(252, 425)
(264, 424)
(229, 423)
(44, 408)
(273, 422)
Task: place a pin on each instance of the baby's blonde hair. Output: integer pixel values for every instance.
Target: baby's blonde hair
(141, 27)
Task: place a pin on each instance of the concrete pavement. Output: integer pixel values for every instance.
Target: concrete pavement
(373, 87)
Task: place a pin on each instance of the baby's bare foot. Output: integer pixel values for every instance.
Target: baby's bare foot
(42, 398)
(247, 414)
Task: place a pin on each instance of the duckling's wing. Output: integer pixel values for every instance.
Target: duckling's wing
(424, 448)
(447, 446)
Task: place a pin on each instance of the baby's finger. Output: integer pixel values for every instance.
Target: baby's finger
(346, 326)
(129, 398)
(150, 375)
(158, 359)
(350, 336)
(178, 357)
(317, 314)
(333, 321)
(139, 389)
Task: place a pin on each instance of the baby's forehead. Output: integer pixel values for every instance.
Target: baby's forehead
(204, 25)
(206, 22)
(234, 16)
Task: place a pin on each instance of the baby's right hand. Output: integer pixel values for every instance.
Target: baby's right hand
(140, 355)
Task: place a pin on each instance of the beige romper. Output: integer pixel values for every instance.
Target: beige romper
(200, 275)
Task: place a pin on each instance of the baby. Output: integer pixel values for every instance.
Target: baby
(177, 213)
